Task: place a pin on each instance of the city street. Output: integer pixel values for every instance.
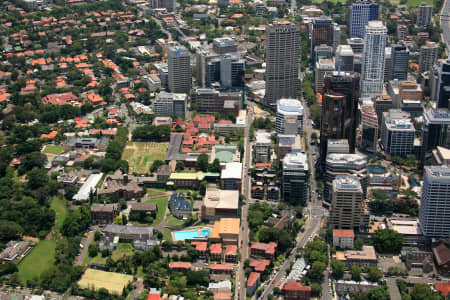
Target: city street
(445, 22)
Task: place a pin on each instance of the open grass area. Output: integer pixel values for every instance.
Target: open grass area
(58, 204)
(167, 234)
(53, 149)
(413, 3)
(171, 220)
(113, 282)
(123, 249)
(153, 192)
(140, 155)
(37, 261)
(334, 1)
(162, 205)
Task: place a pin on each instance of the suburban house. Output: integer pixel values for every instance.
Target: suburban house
(180, 266)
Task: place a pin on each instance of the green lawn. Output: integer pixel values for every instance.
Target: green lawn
(53, 149)
(38, 260)
(153, 192)
(171, 220)
(162, 205)
(140, 155)
(123, 249)
(58, 204)
(167, 234)
(334, 1)
(413, 3)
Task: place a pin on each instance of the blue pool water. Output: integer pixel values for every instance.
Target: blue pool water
(188, 235)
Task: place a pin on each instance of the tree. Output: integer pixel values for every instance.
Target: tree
(37, 178)
(422, 291)
(387, 241)
(97, 236)
(316, 290)
(356, 273)
(202, 188)
(374, 274)
(338, 268)
(202, 162)
(316, 271)
(379, 293)
(179, 166)
(280, 236)
(215, 166)
(93, 249)
(198, 277)
(9, 230)
(155, 165)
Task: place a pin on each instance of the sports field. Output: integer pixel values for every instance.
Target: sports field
(140, 155)
(113, 282)
(53, 149)
(37, 261)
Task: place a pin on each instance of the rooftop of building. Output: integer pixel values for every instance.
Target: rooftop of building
(295, 161)
(345, 182)
(437, 172)
(296, 286)
(262, 137)
(289, 106)
(221, 199)
(367, 253)
(231, 170)
(343, 233)
(226, 226)
(396, 119)
(350, 159)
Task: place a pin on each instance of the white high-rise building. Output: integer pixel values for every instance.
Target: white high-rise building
(282, 58)
(180, 76)
(289, 118)
(372, 73)
(434, 213)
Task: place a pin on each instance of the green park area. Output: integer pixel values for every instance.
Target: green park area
(162, 205)
(141, 155)
(53, 149)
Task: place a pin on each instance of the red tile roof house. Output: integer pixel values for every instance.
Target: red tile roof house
(180, 266)
(252, 283)
(221, 268)
(222, 296)
(61, 99)
(259, 265)
(443, 288)
(296, 291)
(215, 251)
(266, 250)
(201, 248)
(231, 253)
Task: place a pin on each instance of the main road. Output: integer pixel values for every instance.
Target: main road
(240, 292)
(445, 22)
(314, 210)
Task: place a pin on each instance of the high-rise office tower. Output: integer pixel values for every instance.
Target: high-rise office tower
(322, 31)
(357, 44)
(398, 132)
(345, 164)
(435, 131)
(361, 13)
(347, 209)
(336, 36)
(369, 126)
(180, 76)
(443, 85)
(424, 14)
(170, 104)
(382, 103)
(323, 66)
(339, 109)
(399, 62)
(372, 74)
(434, 212)
(387, 64)
(428, 56)
(344, 58)
(170, 5)
(295, 178)
(282, 58)
(289, 119)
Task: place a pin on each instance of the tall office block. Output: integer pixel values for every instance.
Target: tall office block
(170, 5)
(387, 64)
(428, 56)
(323, 52)
(180, 76)
(323, 66)
(295, 178)
(369, 126)
(170, 104)
(382, 103)
(339, 109)
(282, 58)
(289, 118)
(399, 62)
(424, 15)
(360, 14)
(372, 74)
(398, 133)
(345, 164)
(232, 70)
(443, 84)
(347, 209)
(435, 131)
(224, 45)
(322, 31)
(434, 212)
(357, 44)
(336, 36)
(344, 58)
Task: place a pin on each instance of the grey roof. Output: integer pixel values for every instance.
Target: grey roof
(177, 201)
(125, 229)
(173, 151)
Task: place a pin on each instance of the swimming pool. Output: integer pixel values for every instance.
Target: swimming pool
(190, 235)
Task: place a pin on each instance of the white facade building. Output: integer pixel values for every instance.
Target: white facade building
(289, 118)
